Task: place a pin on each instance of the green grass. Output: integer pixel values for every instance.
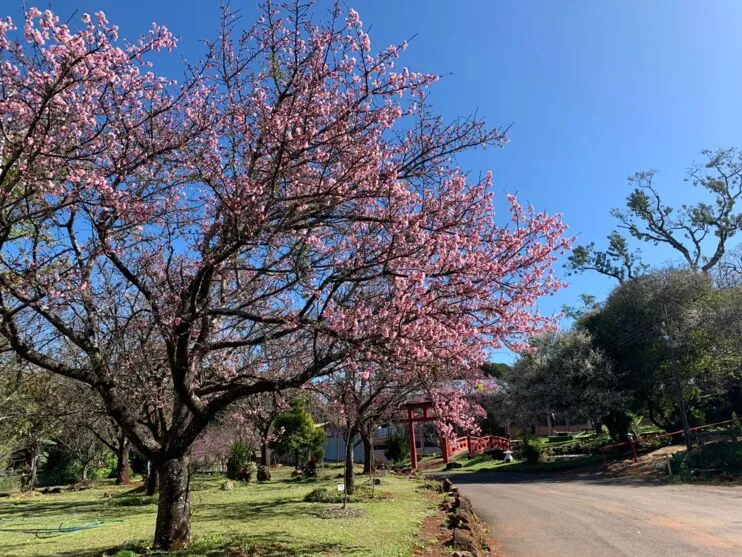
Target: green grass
(482, 463)
(267, 519)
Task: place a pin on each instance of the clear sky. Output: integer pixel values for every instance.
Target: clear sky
(595, 90)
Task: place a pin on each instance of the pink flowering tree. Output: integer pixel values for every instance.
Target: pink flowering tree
(288, 205)
(258, 414)
(359, 398)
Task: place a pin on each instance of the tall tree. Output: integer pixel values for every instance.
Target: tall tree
(289, 192)
(562, 373)
(698, 233)
(630, 329)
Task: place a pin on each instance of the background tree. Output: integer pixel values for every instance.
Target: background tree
(498, 370)
(260, 413)
(728, 274)
(358, 400)
(565, 374)
(698, 233)
(299, 436)
(629, 329)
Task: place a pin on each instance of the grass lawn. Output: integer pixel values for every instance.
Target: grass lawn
(483, 463)
(267, 519)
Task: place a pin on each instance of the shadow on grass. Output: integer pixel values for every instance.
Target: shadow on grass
(288, 507)
(271, 544)
(479, 460)
(266, 544)
(43, 508)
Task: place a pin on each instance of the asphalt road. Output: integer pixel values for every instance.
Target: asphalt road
(559, 516)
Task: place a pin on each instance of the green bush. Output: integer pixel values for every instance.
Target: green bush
(323, 495)
(397, 446)
(725, 456)
(301, 437)
(240, 466)
(59, 468)
(531, 448)
(106, 468)
(135, 500)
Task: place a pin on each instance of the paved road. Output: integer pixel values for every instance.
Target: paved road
(561, 516)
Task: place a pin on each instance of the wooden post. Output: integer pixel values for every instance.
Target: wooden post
(413, 447)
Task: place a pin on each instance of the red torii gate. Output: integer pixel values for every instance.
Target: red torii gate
(474, 445)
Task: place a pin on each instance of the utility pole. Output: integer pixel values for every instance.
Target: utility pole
(676, 373)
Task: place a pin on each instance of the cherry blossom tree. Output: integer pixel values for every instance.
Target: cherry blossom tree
(290, 208)
(259, 413)
(357, 399)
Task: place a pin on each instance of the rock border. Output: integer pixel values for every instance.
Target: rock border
(469, 536)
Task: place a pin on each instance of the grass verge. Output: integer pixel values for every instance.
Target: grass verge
(269, 519)
(483, 463)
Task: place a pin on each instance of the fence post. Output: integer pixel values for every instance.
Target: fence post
(632, 441)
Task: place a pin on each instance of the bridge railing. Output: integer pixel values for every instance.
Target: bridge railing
(474, 445)
(479, 445)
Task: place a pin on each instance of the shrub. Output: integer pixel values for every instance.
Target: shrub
(301, 437)
(397, 446)
(106, 468)
(239, 464)
(531, 448)
(135, 500)
(59, 468)
(323, 495)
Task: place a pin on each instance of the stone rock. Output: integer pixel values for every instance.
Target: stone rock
(462, 554)
(463, 540)
(377, 481)
(446, 485)
(296, 473)
(228, 486)
(453, 465)
(465, 505)
(82, 485)
(264, 474)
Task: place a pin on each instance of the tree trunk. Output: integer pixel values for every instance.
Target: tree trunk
(265, 456)
(366, 453)
(349, 484)
(123, 471)
(33, 475)
(153, 478)
(173, 526)
(85, 471)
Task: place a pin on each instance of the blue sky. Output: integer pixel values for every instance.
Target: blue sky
(595, 90)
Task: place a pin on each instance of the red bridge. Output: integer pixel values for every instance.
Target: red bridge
(449, 447)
